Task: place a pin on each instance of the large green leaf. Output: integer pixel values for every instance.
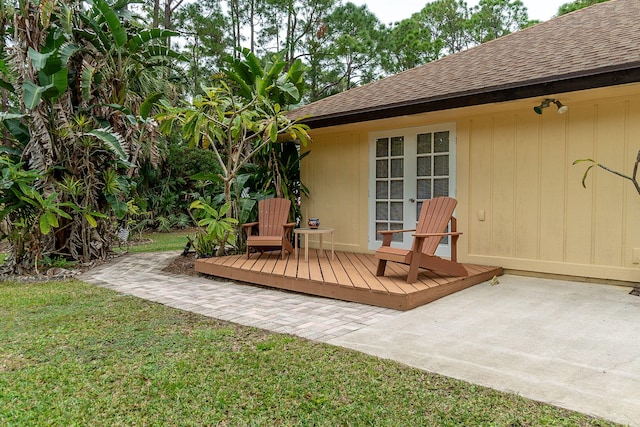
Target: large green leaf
(3, 67)
(7, 86)
(86, 82)
(253, 62)
(145, 36)
(163, 52)
(119, 207)
(32, 93)
(290, 89)
(147, 105)
(112, 141)
(38, 60)
(58, 84)
(113, 22)
(67, 51)
(47, 220)
(17, 129)
(92, 38)
(245, 89)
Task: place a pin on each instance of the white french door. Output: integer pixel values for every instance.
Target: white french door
(408, 166)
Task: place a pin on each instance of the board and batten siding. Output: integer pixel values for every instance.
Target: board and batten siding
(521, 204)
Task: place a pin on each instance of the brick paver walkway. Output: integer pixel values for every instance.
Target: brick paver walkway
(311, 317)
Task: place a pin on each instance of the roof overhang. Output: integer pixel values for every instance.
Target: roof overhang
(603, 77)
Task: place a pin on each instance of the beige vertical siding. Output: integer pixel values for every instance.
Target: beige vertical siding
(515, 167)
(336, 173)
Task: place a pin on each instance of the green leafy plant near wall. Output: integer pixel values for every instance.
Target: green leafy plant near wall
(219, 229)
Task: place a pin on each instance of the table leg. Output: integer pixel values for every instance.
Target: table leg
(295, 244)
(321, 253)
(333, 254)
(306, 247)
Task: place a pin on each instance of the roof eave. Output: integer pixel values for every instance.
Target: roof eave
(610, 76)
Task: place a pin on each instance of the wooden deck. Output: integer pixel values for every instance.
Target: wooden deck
(350, 277)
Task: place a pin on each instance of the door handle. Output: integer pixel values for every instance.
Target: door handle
(412, 200)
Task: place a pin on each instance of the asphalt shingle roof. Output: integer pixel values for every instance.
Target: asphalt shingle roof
(593, 41)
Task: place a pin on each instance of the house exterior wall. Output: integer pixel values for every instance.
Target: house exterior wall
(514, 168)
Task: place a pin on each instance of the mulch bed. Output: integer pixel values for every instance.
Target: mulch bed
(182, 264)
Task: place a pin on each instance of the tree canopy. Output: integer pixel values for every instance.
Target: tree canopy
(342, 45)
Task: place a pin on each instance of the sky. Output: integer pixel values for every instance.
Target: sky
(389, 11)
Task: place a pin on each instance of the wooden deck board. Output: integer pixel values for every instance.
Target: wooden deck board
(349, 277)
(328, 275)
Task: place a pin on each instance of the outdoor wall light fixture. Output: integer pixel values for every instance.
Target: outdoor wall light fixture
(544, 104)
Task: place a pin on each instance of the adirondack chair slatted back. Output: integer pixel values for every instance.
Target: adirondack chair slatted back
(434, 217)
(272, 215)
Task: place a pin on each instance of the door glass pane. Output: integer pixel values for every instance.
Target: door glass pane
(382, 210)
(397, 146)
(382, 168)
(440, 187)
(424, 189)
(424, 143)
(397, 191)
(397, 168)
(382, 190)
(441, 142)
(396, 211)
(441, 165)
(424, 166)
(382, 147)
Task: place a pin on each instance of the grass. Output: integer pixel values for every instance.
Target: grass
(76, 354)
(175, 240)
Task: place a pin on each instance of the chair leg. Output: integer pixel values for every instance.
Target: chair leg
(412, 277)
(382, 265)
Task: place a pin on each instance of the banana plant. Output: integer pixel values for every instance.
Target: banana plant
(270, 81)
(123, 58)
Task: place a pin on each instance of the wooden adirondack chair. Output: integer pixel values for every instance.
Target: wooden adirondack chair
(435, 215)
(274, 230)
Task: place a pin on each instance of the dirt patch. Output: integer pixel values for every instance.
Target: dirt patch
(182, 265)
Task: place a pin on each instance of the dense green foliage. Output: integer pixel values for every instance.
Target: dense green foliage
(75, 354)
(79, 83)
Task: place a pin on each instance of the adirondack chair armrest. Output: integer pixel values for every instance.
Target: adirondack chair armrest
(383, 232)
(387, 235)
(287, 229)
(249, 226)
(423, 235)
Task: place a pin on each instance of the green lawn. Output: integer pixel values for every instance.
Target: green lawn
(175, 240)
(75, 354)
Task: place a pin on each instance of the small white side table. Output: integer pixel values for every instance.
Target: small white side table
(319, 232)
